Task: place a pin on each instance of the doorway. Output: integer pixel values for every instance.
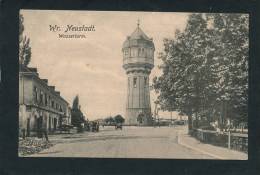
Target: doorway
(55, 123)
(49, 123)
(140, 118)
(28, 127)
(39, 127)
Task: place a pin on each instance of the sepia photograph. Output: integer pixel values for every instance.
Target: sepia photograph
(133, 84)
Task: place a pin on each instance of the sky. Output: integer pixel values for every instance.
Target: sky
(91, 67)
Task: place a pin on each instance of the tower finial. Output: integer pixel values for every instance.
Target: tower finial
(138, 23)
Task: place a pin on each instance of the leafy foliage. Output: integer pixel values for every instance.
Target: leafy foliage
(119, 119)
(75, 104)
(205, 69)
(109, 120)
(24, 45)
(77, 117)
(112, 120)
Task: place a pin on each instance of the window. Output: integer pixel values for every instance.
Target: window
(139, 51)
(132, 52)
(52, 104)
(41, 97)
(126, 52)
(135, 81)
(142, 53)
(36, 94)
(46, 99)
(49, 100)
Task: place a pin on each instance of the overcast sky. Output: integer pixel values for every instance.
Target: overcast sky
(92, 67)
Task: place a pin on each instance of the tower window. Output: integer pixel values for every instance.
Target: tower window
(132, 52)
(145, 81)
(135, 81)
(142, 53)
(126, 52)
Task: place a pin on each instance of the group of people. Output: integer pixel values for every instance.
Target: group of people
(92, 126)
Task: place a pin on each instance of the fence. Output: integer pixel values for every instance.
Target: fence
(237, 141)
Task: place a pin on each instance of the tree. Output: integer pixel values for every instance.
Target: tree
(181, 85)
(24, 45)
(119, 119)
(77, 117)
(204, 66)
(232, 31)
(109, 120)
(75, 104)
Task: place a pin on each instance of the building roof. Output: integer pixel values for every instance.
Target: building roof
(34, 72)
(138, 37)
(139, 34)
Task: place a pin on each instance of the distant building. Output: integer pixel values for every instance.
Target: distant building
(40, 106)
(138, 61)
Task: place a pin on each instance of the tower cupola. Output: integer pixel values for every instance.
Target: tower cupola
(138, 49)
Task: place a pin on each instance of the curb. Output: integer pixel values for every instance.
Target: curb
(198, 150)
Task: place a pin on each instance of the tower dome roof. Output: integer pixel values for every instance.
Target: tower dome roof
(137, 37)
(139, 34)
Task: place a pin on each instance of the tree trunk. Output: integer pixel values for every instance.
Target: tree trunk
(189, 124)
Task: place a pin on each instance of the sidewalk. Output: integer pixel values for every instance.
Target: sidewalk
(218, 152)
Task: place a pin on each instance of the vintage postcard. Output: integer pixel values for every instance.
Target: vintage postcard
(121, 84)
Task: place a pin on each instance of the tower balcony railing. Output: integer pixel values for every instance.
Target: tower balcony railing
(138, 60)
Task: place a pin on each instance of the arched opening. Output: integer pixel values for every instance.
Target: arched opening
(140, 118)
(39, 126)
(49, 123)
(55, 124)
(28, 127)
(135, 82)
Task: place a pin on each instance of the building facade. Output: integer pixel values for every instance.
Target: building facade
(40, 105)
(138, 61)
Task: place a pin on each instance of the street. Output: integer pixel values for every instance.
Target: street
(131, 142)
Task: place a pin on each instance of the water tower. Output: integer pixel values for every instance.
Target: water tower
(138, 61)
